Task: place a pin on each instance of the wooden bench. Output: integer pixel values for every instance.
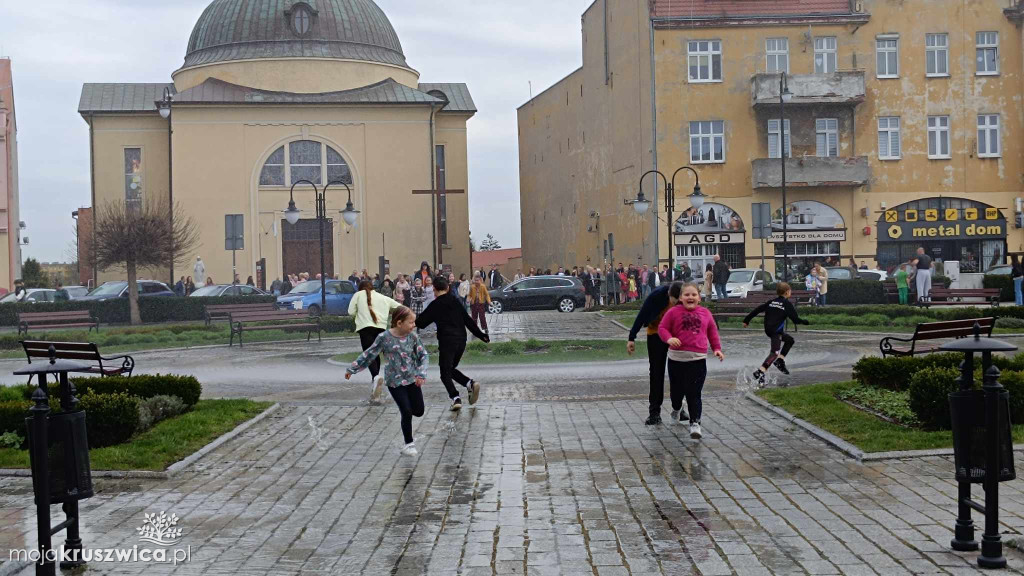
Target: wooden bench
(73, 319)
(957, 296)
(223, 311)
(273, 320)
(83, 352)
(934, 331)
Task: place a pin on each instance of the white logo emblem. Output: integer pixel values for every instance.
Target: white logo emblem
(159, 529)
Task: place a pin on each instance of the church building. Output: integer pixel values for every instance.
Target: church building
(273, 95)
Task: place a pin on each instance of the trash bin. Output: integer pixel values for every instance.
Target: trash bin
(967, 409)
(70, 478)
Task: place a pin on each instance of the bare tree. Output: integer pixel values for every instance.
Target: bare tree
(133, 236)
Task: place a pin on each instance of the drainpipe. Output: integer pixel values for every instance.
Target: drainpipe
(606, 66)
(433, 197)
(654, 153)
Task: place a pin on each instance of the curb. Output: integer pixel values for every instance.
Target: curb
(170, 472)
(849, 449)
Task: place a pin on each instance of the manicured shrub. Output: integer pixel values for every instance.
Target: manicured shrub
(111, 418)
(895, 373)
(144, 386)
(929, 396)
(337, 324)
(11, 440)
(477, 346)
(1014, 383)
(152, 309)
(17, 393)
(158, 408)
(855, 292)
(12, 416)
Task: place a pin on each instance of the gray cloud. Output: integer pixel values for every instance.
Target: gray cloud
(495, 46)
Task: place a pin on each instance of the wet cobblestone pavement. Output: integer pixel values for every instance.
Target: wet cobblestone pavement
(535, 488)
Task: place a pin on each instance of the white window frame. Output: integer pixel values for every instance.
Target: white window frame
(892, 133)
(987, 124)
(828, 48)
(888, 46)
(938, 52)
(829, 128)
(773, 132)
(775, 49)
(984, 41)
(938, 134)
(716, 131)
(697, 52)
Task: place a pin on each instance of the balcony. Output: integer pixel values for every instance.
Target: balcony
(838, 88)
(811, 171)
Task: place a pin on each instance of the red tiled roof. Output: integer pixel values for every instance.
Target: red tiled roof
(742, 8)
(499, 257)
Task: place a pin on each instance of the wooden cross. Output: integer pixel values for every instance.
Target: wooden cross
(439, 193)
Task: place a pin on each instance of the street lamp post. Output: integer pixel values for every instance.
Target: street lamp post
(641, 204)
(166, 113)
(784, 95)
(349, 214)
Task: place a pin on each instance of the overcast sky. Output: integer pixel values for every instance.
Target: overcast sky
(495, 46)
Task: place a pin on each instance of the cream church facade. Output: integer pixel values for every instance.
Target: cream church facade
(273, 92)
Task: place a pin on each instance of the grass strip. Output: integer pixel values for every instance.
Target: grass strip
(167, 442)
(818, 404)
(538, 352)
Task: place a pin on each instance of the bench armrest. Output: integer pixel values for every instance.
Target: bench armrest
(886, 344)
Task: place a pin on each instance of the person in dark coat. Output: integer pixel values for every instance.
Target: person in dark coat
(720, 272)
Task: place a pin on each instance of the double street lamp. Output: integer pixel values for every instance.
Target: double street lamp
(349, 214)
(164, 106)
(641, 204)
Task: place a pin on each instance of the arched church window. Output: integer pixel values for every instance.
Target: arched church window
(305, 161)
(273, 169)
(337, 168)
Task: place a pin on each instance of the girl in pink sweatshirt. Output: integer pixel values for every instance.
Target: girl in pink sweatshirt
(689, 330)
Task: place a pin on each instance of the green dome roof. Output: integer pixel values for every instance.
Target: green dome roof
(259, 29)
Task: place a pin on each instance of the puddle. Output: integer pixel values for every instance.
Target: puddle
(317, 434)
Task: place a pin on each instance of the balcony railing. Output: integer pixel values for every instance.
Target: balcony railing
(842, 88)
(808, 171)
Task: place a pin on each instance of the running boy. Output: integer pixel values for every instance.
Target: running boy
(451, 319)
(776, 312)
(688, 329)
(405, 369)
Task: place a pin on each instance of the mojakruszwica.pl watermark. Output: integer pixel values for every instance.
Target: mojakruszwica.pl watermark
(158, 529)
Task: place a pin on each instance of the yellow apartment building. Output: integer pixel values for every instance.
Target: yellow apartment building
(274, 92)
(901, 124)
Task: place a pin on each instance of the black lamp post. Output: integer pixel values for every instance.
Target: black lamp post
(166, 113)
(350, 215)
(641, 204)
(784, 95)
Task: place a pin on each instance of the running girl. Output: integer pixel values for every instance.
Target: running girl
(405, 369)
(371, 314)
(688, 329)
(776, 312)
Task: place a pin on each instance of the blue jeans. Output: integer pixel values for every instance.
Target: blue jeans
(1017, 295)
(822, 299)
(721, 291)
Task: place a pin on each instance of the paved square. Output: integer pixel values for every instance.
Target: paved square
(539, 488)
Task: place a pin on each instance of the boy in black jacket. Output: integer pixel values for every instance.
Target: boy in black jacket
(451, 319)
(776, 312)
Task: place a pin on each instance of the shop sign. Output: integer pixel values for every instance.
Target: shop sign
(977, 222)
(808, 221)
(710, 238)
(952, 231)
(809, 236)
(712, 218)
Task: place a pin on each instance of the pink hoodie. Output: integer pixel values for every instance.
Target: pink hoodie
(694, 329)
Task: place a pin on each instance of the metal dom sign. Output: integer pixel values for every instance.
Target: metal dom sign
(954, 224)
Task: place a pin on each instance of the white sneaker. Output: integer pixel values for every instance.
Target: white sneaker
(695, 432)
(409, 449)
(376, 388)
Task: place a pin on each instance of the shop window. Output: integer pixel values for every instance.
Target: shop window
(707, 142)
(889, 138)
(705, 60)
(827, 137)
(773, 139)
(987, 51)
(887, 57)
(777, 51)
(988, 136)
(936, 54)
(824, 54)
(938, 137)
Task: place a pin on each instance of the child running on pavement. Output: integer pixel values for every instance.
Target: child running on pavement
(688, 329)
(452, 320)
(776, 312)
(405, 369)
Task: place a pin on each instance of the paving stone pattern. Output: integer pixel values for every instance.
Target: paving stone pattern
(539, 488)
(552, 326)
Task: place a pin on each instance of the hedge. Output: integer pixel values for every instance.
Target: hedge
(896, 372)
(144, 386)
(1003, 282)
(929, 396)
(115, 311)
(12, 416)
(110, 418)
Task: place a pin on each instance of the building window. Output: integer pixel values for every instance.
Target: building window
(707, 142)
(302, 21)
(705, 59)
(442, 199)
(133, 175)
(777, 50)
(825, 55)
(305, 161)
(889, 138)
(337, 168)
(827, 137)
(938, 137)
(936, 54)
(773, 139)
(987, 46)
(887, 57)
(988, 136)
(273, 169)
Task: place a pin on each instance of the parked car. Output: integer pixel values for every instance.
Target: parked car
(306, 296)
(880, 275)
(562, 293)
(1002, 270)
(76, 292)
(32, 296)
(228, 290)
(119, 289)
(744, 280)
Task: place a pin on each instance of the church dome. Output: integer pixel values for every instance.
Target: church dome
(240, 30)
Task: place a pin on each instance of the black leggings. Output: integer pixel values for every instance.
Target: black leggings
(410, 403)
(657, 353)
(449, 355)
(686, 380)
(779, 340)
(367, 336)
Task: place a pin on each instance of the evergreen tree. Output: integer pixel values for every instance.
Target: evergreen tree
(489, 244)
